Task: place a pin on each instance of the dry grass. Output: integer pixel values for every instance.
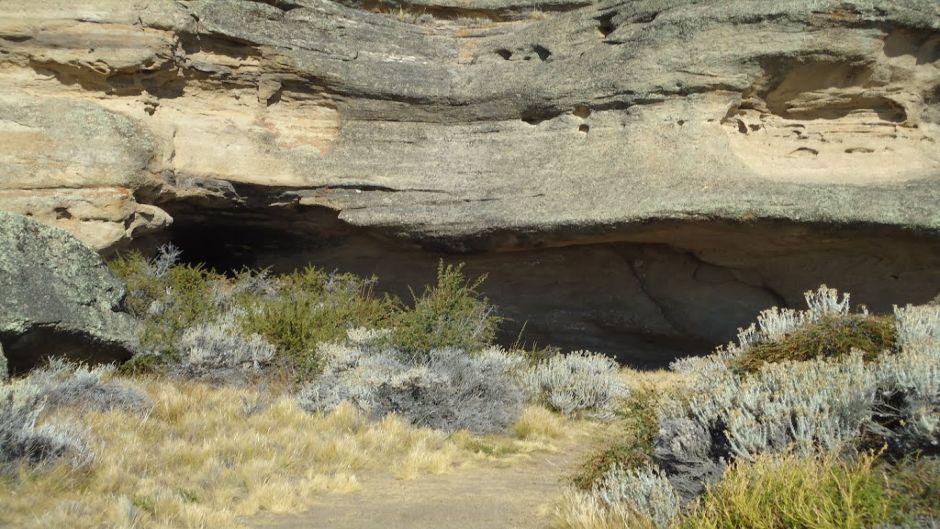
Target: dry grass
(832, 336)
(799, 492)
(660, 382)
(536, 422)
(577, 509)
(199, 460)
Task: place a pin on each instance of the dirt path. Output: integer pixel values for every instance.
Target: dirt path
(485, 497)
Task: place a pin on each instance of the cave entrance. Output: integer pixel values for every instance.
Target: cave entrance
(645, 296)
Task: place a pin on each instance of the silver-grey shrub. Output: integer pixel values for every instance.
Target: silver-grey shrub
(455, 391)
(217, 350)
(62, 383)
(351, 374)
(577, 383)
(446, 389)
(819, 405)
(683, 449)
(23, 440)
(642, 491)
(775, 323)
(909, 382)
(167, 256)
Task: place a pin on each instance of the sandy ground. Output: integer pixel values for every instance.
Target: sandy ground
(516, 496)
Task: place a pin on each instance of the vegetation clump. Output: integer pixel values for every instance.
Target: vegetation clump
(167, 298)
(187, 311)
(822, 492)
(577, 383)
(311, 307)
(452, 313)
(787, 442)
(632, 445)
(446, 389)
(831, 336)
(62, 383)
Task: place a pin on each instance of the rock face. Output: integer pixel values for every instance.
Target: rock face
(496, 128)
(4, 368)
(59, 298)
(654, 293)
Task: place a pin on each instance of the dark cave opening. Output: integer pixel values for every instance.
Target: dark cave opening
(645, 296)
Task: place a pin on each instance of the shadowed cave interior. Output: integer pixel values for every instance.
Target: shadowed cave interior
(644, 294)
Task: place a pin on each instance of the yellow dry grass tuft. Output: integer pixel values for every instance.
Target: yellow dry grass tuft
(577, 509)
(202, 458)
(539, 423)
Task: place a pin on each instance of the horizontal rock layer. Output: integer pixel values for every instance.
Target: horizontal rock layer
(440, 120)
(485, 126)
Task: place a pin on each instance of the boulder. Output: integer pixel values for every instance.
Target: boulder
(59, 298)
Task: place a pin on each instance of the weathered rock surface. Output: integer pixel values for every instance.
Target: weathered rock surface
(653, 293)
(496, 126)
(585, 115)
(4, 368)
(59, 298)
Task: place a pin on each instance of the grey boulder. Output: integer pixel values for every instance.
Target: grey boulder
(58, 298)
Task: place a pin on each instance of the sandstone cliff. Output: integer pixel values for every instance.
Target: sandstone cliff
(688, 160)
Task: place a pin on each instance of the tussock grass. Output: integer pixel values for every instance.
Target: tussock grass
(832, 336)
(786, 491)
(802, 492)
(536, 422)
(202, 458)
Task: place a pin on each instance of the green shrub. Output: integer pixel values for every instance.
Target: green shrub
(450, 314)
(295, 312)
(167, 297)
(312, 307)
(831, 336)
(632, 445)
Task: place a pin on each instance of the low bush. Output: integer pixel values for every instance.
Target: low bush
(446, 389)
(311, 307)
(168, 298)
(61, 383)
(577, 383)
(632, 446)
(218, 351)
(640, 498)
(454, 391)
(830, 404)
(452, 313)
(645, 492)
(24, 441)
(828, 337)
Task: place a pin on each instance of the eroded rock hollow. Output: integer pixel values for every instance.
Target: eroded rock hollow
(637, 177)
